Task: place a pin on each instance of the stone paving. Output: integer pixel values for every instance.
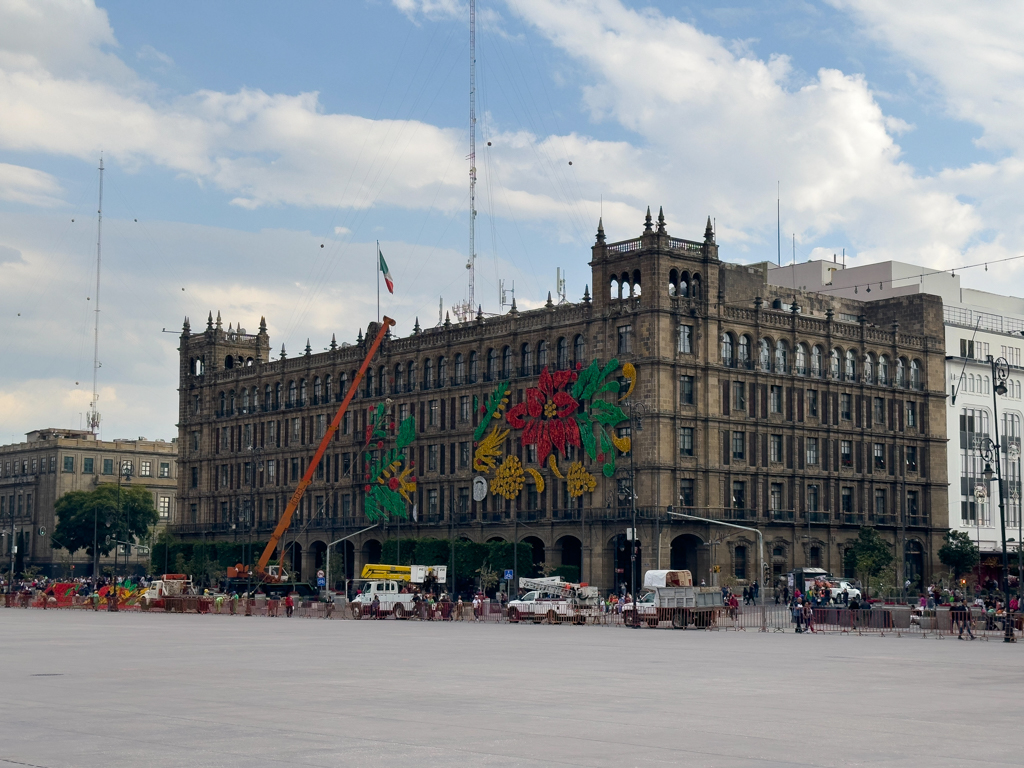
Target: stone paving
(90, 689)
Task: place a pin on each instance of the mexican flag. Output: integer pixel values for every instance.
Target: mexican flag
(387, 272)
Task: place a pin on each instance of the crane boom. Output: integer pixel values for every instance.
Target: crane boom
(293, 503)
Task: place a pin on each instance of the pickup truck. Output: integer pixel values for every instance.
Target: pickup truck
(387, 592)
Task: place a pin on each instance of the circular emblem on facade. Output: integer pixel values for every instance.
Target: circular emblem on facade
(479, 488)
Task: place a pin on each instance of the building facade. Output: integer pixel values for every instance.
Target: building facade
(978, 324)
(756, 409)
(51, 462)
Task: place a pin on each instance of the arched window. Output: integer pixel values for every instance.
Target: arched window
(744, 351)
(277, 395)
(327, 388)
(492, 364)
(781, 356)
(231, 402)
(442, 371)
(801, 359)
(302, 392)
(268, 398)
(833, 364)
(367, 384)
(255, 399)
(428, 374)
(673, 281)
(616, 288)
(869, 368)
(727, 352)
(624, 284)
(506, 363)
(636, 282)
(293, 393)
(410, 376)
(223, 404)
(474, 368)
(579, 349)
(542, 354)
(764, 355)
(318, 391)
(399, 378)
(684, 284)
(901, 373)
(245, 400)
(460, 368)
(562, 354)
(816, 362)
(883, 370)
(695, 286)
(382, 382)
(915, 374)
(526, 361)
(850, 370)
(229, 361)
(970, 382)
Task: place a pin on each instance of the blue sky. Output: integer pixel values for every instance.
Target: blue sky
(240, 137)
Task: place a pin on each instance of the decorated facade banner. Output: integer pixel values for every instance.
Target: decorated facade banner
(390, 473)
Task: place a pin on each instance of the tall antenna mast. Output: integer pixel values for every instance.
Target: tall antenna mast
(471, 266)
(94, 415)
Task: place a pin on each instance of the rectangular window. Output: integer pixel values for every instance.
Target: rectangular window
(775, 401)
(247, 432)
(966, 348)
(846, 406)
(296, 430)
(739, 442)
(879, 456)
(145, 469)
(686, 441)
(165, 469)
(432, 502)
(432, 453)
(686, 339)
(464, 408)
(320, 425)
(223, 475)
(531, 453)
(164, 507)
(739, 494)
(271, 472)
(686, 390)
(912, 504)
(432, 411)
(813, 498)
(775, 448)
(739, 396)
(911, 453)
(879, 411)
(87, 466)
(195, 477)
(346, 505)
(812, 403)
(812, 451)
(195, 440)
(53, 464)
(846, 452)
(295, 470)
(464, 500)
(686, 492)
(34, 461)
(775, 497)
(69, 463)
(224, 439)
(879, 502)
(911, 414)
(625, 339)
(346, 424)
(464, 453)
(846, 501)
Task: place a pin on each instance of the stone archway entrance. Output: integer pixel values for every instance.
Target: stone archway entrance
(688, 554)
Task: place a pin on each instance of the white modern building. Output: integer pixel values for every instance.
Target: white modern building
(978, 324)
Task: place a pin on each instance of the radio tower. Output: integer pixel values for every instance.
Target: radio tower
(94, 414)
(464, 311)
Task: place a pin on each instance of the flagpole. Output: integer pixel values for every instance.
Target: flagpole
(378, 281)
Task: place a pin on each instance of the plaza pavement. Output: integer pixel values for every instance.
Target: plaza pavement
(90, 689)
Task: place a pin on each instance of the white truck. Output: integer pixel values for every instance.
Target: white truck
(553, 600)
(671, 596)
(171, 585)
(384, 582)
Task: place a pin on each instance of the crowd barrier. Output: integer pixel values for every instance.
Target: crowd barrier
(881, 620)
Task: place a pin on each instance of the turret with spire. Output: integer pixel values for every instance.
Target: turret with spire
(661, 221)
(648, 228)
(309, 349)
(334, 343)
(600, 231)
(709, 233)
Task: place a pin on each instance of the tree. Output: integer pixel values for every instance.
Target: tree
(959, 553)
(869, 555)
(79, 511)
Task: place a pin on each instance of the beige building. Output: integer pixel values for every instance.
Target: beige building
(794, 412)
(52, 462)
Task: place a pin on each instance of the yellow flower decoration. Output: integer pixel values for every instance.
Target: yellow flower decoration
(580, 480)
(509, 480)
(538, 479)
(629, 373)
(554, 466)
(485, 458)
(622, 443)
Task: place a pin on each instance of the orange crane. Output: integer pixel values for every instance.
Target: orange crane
(241, 571)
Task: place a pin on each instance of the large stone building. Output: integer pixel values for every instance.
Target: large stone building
(759, 409)
(51, 462)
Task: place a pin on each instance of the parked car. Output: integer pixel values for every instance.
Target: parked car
(852, 591)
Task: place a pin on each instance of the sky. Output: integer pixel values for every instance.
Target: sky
(255, 153)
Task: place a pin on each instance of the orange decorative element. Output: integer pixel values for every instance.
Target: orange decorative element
(580, 480)
(554, 466)
(622, 443)
(538, 479)
(509, 480)
(629, 373)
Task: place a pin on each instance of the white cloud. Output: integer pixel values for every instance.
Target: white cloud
(149, 53)
(27, 185)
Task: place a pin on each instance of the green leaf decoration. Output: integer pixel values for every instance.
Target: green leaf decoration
(493, 403)
(587, 434)
(595, 382)
(406, 432)
(583, 380)
(607, 413)
(606, 448)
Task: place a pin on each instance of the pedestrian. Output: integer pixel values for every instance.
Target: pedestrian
(962, 619)
(785, 594)
(798, 615)
(746, 596)
(809, 616)
(778, 597)
(375, 608)
(289, 605)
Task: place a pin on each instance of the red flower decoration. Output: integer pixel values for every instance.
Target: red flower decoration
(546, 416)
(380, 443)
(367, 489)
(393, 483)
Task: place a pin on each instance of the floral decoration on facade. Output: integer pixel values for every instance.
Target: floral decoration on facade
(597, 418)
(579, 480)
(546, 415)
(509, 480)
(390, 473)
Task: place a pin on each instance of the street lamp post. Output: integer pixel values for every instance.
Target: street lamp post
(636, 424)
(1000, 372)
(1014, 454)
(125, 470)
(256, 466)
(328, 555)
